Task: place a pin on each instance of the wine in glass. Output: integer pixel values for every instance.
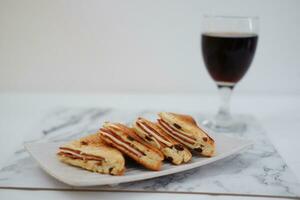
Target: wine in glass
(228, 47)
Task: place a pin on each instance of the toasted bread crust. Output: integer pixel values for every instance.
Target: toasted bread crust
(151, 157)
(172, 150)
(186, 125)
(93, 154)
(187, 119)
(130, 132)
(93, 166)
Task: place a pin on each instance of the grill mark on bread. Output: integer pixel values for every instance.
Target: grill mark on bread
(117, 140)
(69, 155)
(73, 150)
(172, 151)
(80, 153)
(152, 129)
(178, 138)
(140, 145)
(120, 147)
(178, 131)
(83, 157)
(159, 138)
(149, 137)
(175, 133)
(204, 144)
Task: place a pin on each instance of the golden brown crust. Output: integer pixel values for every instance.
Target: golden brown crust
(92, 166)
(126, 140)
(156, 128)
(187, 127)
(185, 118)
(155, 136)
(130, 132)
(91, 139)
(93, 154)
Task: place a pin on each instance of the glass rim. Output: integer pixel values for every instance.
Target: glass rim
(230, 17)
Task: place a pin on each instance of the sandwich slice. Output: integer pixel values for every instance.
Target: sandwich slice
(155, 136)
(128, 142)
(185, 130)
(92, 154)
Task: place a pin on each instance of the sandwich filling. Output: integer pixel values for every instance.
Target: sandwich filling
(119, 141)
(179, 135)
(152, 132)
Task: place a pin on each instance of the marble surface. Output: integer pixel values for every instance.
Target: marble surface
(257, 171)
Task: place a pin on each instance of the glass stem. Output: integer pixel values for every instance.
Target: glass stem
(224, 109)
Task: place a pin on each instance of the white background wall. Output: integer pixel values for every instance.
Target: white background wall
(137, 46)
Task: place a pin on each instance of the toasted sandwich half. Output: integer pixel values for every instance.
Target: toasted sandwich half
(92, 154)
(185, 130)
(128, 142)
(155, 136)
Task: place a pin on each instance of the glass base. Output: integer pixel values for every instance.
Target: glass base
(225, 126)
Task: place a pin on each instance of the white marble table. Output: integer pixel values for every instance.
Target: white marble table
(279, 114)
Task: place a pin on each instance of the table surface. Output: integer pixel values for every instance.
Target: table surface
(19, 113)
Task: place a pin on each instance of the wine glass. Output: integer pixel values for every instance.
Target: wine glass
(228, 47)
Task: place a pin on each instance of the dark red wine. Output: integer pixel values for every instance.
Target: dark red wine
(228, 56)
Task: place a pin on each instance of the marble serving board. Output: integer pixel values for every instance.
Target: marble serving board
(257, 171)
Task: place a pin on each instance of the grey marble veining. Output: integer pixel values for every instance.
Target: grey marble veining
(259, 171)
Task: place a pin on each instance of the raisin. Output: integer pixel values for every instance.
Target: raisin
(169, 159)
(130, 138)
(110, 170)
(179, 147)
(148, 138)
(177, 126)
(205, 139)
(83, 143)
(198, 149)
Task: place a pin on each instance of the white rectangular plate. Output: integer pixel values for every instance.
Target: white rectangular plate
(45, 155)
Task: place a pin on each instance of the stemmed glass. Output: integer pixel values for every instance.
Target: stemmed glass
(228, 47)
